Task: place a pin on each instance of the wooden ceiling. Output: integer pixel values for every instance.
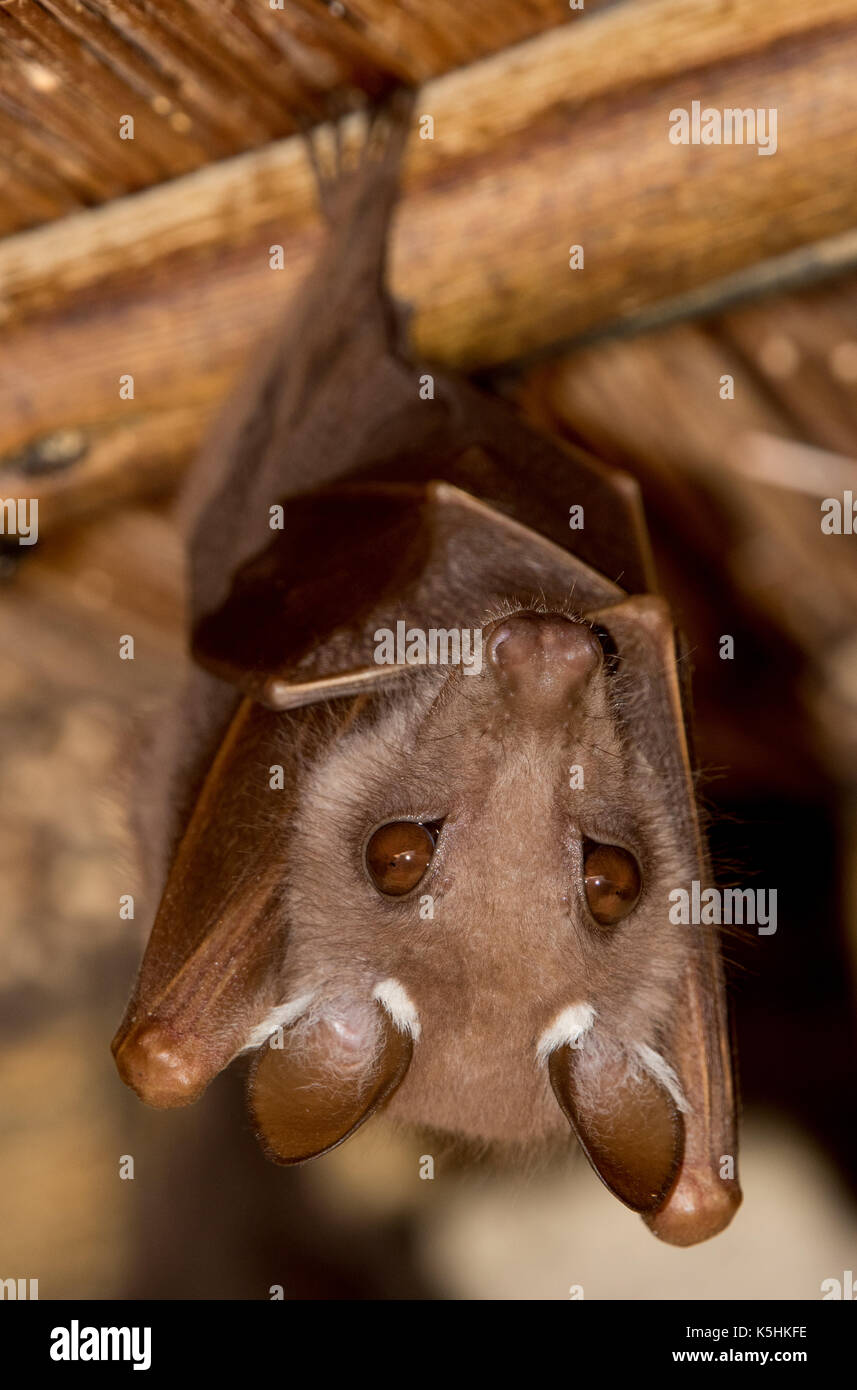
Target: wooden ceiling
(205, 79)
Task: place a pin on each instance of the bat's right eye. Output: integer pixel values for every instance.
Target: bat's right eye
(613, 883)
(398, 855)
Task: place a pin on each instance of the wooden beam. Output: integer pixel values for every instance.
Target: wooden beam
(75, 474)
(204, 81)
(561, 140)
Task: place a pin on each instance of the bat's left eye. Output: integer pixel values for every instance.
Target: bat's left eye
(612, 879)
(398, 855)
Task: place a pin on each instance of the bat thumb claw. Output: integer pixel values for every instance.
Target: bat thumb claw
(154, 1065)
(700, 1206)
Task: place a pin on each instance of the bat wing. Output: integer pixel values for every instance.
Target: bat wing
(211, 968)
(300, 622)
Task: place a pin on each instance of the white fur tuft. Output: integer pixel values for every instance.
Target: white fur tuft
(280, 1017)
(569, 1027)
(662, 1072)
(399, 1006)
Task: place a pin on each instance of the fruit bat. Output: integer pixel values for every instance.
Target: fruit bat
(401, 879)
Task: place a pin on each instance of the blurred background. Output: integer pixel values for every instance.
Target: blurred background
(708, 346)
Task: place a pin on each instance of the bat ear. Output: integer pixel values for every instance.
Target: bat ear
(312, 1092)
(628, 1126)
(212, 966)
(296, 628)
(706, 1192)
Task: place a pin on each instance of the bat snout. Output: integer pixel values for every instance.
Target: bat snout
(542, 661)
(157, 1067)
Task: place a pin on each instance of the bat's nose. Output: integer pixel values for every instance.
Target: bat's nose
(543, 661)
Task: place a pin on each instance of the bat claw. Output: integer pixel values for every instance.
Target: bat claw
(698, 1209)
(151, 1062)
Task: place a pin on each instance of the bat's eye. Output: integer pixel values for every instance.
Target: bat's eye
(398, 855)
(612, 880)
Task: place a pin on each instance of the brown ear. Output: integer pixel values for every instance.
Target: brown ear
(630, 1129)
(323, 1083)
(213, 962)
(702, 1201)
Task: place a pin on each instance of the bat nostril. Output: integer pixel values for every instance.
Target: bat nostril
(512, 640)
(542, 657)
(155, 1065)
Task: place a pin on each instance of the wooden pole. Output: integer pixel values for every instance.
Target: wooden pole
(560, 141)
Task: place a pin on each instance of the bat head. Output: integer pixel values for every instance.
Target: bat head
(430, 867)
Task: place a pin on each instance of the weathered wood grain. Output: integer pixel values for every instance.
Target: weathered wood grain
(205, 79)
(77, 474)
(562, 140)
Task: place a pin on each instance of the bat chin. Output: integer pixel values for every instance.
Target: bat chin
(503, 1110)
